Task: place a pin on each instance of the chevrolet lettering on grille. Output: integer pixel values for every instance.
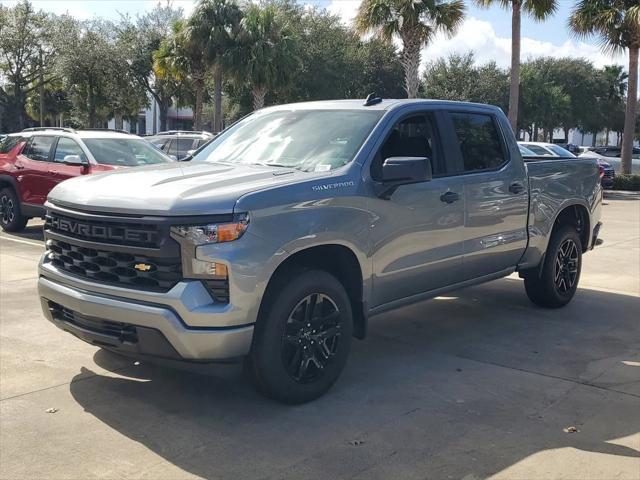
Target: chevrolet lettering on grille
(104, 232)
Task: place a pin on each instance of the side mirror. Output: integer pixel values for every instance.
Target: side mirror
(75, 160)
(190, 152)
(397, 171)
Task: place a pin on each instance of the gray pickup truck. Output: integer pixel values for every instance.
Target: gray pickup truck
(281, 238)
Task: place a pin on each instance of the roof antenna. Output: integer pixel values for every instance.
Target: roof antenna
(372, 100)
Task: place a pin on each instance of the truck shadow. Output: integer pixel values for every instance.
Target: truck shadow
(468, 384)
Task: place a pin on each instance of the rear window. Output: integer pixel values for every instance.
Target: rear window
(480, 143)
(560, 151)
(125, 152)
(7, 143)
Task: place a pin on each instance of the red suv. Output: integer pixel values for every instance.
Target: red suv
(35, 160)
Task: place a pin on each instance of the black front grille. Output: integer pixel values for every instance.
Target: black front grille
(122, 331)
(116, 268)
(102, 231)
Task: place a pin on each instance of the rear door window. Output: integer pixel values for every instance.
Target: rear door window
(39, 148)
(480, 142)
(184, 145)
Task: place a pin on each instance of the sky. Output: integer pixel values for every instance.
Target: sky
(486, 32)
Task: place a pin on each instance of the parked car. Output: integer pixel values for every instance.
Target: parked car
(179, 143)
(283, 236)
(611, 155)
(550, 150)
(35, 160)
(545, 149)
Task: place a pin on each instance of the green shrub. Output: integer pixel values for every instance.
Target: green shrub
(624, 181)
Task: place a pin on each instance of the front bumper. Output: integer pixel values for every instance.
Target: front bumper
(160, 328)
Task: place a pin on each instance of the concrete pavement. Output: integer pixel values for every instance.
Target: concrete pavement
(476, 384)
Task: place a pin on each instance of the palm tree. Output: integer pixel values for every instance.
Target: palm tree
(216, 22)
(539, 10)
(617, 23)
(265, 55)
(182, 55)
(415, 22)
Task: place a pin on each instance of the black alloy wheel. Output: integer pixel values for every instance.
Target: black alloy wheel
(565, 270)
(311, 337)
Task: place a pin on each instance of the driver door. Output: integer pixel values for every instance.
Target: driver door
(418, 241)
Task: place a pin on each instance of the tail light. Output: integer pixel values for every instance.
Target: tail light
(601, 170)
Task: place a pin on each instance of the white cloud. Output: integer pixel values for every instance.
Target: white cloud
(480, 37)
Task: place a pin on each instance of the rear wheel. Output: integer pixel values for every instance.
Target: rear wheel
(557, 283)
(11, 220)
(301, 345)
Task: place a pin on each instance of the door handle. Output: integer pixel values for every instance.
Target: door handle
(516, 187)
(19, 166)
(53, 172)
(450, 197)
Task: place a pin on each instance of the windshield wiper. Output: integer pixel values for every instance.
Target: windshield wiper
(272, 165)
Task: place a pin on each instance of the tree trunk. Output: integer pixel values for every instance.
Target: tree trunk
(41, 89)
(163, 107)
(197, 112)
(118, 121)
(218, 123)
(630, 113)
(410, 59)
(566, 134)
(535, 133)
(514, 89)
(258, 97)
(593, 139)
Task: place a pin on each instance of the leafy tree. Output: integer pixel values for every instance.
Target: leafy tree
(617, 23)
(182, 56)
(539, 10)
(265, 53)
(458, 78)
(216, 23)
(140, 39)
(27, 49)
(414, 22)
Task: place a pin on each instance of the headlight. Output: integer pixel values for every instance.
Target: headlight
(213, 232)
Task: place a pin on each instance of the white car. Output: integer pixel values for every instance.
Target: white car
(612, 155)
(544, 149)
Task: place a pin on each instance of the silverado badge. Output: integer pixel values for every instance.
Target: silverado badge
(143, 267)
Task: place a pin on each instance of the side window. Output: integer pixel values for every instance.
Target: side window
(39, 148)
(65, 147)
(480, 143)
(184, 145)
(414, 136)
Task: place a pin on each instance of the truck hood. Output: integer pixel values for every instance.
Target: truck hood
(170, 189)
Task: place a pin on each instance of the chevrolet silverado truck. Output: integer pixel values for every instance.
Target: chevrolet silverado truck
(279, 240)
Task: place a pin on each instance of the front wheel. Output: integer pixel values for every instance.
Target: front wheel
(557, 283)
(301, 345)
(11, 220)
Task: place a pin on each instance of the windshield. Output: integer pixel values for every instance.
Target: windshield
(308, 140)
(525, 152)
(538, 150)
(125, 152)
(560, 151)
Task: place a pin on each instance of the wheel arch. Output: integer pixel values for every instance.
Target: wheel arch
(576, 215)
(336, 259)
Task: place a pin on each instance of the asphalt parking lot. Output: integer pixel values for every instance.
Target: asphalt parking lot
(476, 384)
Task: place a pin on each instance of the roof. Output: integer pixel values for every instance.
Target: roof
(69, 132)
(358, 104)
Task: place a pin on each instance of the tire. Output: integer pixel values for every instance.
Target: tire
(557, 283)
(11, 220)
(298, 353)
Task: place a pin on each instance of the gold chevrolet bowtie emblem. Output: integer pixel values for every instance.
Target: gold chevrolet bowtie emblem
(143, 267)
